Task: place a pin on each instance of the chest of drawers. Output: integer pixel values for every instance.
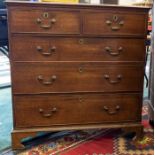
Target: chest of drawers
(76, 67)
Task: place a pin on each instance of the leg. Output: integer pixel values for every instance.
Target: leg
(17, 137)
(138, 130)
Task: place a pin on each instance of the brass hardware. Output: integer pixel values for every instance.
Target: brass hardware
(120, 49)
(45, 26)
(81, 41)
(53, 48)
(45, 14)
(50, 22)
(112, 112)
(80, 99)
(115, 28)
(115, 18)
(39, 20)
(53, 20)
(49, 113)
(109, 50)
(49, 82)
(115, 23)
(118, 79)
(39, 49)
(81, 69)
(121, 23)
(108, 22)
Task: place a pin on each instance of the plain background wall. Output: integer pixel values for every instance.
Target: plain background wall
(120, 2)
(126, 2)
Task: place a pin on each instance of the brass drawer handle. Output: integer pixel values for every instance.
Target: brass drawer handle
(118, 79)
(49, 82)
(40, 49)
(115, 28)
(109, 50)
(121, 23)
(115, 23)
(49, 113)
(111, 111)
(46, 26)
(108, 22)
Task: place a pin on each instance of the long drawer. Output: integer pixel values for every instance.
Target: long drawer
(76, 77)
(76, 49)
(43, 21)
(49, 110)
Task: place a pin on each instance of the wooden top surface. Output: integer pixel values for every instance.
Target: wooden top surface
(49, 4)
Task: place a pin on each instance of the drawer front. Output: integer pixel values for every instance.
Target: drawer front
(48, 110)
(82, 49)
(75, 77)
(55, 22)
(113, 23)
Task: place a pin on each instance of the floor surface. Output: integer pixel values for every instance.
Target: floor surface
(5, 118)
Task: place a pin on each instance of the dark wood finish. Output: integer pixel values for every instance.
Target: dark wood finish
(18, 135)
(72, 77)
(53, 110)
(82, 49)
(55, 22)
(138, 130)
(76, 67)
(113, 23)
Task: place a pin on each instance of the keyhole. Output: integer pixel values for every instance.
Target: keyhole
(45, 15)
(80, 99)
(81, 41)
(115, 18)
(80, 69)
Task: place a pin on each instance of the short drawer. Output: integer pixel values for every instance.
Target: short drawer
(76, 49)
(45, 21)
(76, 77)
(49, 110)
(114, 23)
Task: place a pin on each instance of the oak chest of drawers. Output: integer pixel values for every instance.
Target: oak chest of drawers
(76, 67)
